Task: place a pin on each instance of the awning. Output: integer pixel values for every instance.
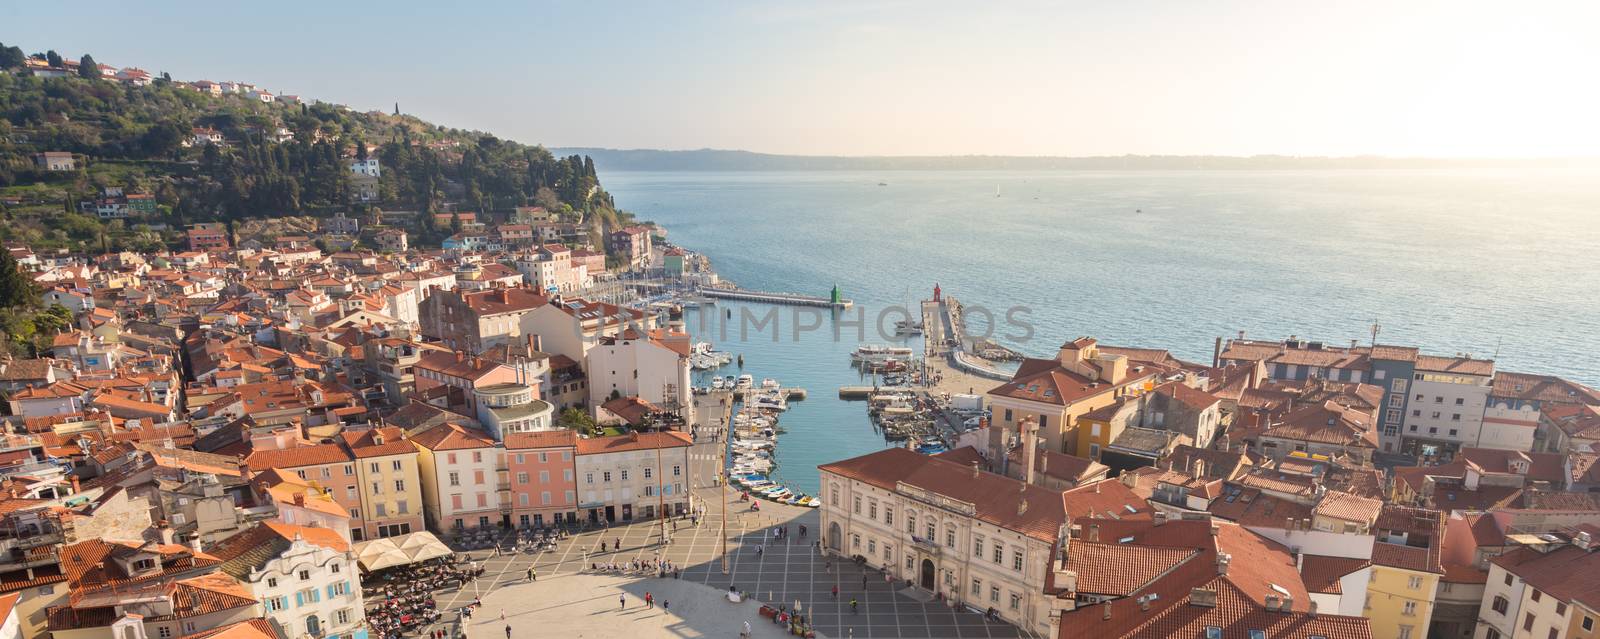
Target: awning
(388, 552)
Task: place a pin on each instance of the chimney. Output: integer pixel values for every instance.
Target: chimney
(1311, 608)
(1202, 598)
(1144, 603)
(1094, 533)
(1582, 540)
(974, 469)
(1022, 507)
(1030, 433)
(1160, 517)
(75, 489)
(1216, 353)
(1223, 559)
(194, 544)
(1272, 603)
(1106, 616)
(166, 533)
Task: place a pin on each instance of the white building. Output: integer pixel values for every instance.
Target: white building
(368, 167)
(1448, 398)
(973, 536)
(306, 578)
(633, 476)
(461, 480)
(512, 408)
(653, 366)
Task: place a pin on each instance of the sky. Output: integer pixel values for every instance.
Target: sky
(1458, 78)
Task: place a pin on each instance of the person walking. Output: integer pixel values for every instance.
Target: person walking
(508, 631)
(836, 591)
(665, 605)
(531, 574)
(623, 599)
(502, 614)
(852, 606)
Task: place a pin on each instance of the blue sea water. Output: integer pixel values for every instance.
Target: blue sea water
(1495, 263)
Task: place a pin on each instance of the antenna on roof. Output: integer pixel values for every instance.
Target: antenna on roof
(1375, 329)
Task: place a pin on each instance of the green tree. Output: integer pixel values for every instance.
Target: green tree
(54, 59)
(16, 289)
(11, 57)
(88, 68)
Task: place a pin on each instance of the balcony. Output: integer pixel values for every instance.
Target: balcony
(927, 545)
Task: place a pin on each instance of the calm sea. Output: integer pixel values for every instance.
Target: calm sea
(1492, 263)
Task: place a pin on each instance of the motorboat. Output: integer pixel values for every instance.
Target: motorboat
(744, 382)
(907, 327)
(879, 352)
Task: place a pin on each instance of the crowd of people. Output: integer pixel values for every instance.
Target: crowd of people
(406, 593)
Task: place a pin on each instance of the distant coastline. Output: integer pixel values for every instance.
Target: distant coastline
(724, 160)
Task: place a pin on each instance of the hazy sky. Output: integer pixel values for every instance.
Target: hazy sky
(1391, 77)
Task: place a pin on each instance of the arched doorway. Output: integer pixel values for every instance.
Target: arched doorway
(834, 535)
(313, 626)
(927, 574)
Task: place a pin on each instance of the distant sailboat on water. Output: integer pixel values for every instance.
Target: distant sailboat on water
(997, 190)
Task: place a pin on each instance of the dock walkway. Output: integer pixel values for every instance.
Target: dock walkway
(789, 299)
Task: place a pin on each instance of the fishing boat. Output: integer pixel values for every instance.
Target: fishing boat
(908, 327)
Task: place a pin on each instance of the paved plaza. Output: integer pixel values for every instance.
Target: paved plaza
(569, 599)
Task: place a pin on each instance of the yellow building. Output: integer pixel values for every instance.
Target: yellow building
(1058, 392)
(391, 487)
(1406, 569)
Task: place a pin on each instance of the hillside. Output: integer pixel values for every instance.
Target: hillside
(274, 158)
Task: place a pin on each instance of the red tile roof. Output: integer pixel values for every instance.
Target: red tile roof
(997, 500)
(634, 441)
(298, 457)
(546, 439)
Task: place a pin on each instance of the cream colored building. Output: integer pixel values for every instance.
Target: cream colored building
(391, 487)
(975, 537)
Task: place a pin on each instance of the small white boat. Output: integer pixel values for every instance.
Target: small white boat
(744, 382)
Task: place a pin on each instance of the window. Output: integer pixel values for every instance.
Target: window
(1555, 634)
(857, 504)
(335, 569)
(274, 604)
(373, 467)
(647, 473)
(588, 478)
(272, 582)
(1415, 583)
(1509, 579)
(477, 456)
(855, 541)
(455, 478)
(1493, 634)
(888, 515)
(544, 498)
(522, 478)
(1588, 623)
(1419, 397)
(544, 457)
(994, 594)
(1455, 417)
(349, 469)
(977, 546)
(1008, 418)
(327, 473)
(872, 509)
(624, 474)
(305, 575)
(451, 457)
(399, 485)
(377, 488)
(999, 553)
(522, 498)
(977, 588)
(342, 616)
(1500, 604)
(382, 511)
(1405, 632)
(1215, 632)
(1527, 623)
(1460, 401)
(164, 632)
(677, 471)
(400, 507)
(397, 465)
(872, 546)
(950, 537)
(888, 553)
(1016, 559)
(1536, 596)
(1016, 602)
(1410, 609)
(833, 494)
(1561, 608)
(605, 476)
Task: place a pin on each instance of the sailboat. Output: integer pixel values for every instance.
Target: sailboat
(997, 190)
